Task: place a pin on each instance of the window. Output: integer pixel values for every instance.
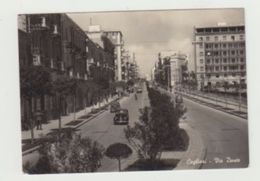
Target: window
(241, 37)
(201, 53)
(224, 53)
(225, 67)
(201, 38)
(201, 45)
(224, 60)
(224, 45)
(71, 73)
(242, 67)
(201, 68)
(241, 59)
(201, 61)
(216, 60)
(217, 68)
(233, 52)
(207, 38)
(232, 37)
(217, 75)
(216, 45)
(208, 60)
(230, 45)
(216, 38)
(224, 37)
(233, 60)
(241, 52)
(241, 45)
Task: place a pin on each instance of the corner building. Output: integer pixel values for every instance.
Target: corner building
(220, 56)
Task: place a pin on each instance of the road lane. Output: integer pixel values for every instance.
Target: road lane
(103, 130)
(225, 136)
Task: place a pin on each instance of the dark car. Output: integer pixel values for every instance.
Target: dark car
(139, 90)
(179, 99)
(121, 117)
(114, 107)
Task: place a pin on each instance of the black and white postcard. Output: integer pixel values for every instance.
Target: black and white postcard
(133, 91)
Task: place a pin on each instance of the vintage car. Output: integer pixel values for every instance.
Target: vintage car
(114, 107)
(121, 117)
(178, 99)
(139, 90)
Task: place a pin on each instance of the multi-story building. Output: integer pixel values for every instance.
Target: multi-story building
(117, 39)
(171, 65)
(220, 57)
(57, 43)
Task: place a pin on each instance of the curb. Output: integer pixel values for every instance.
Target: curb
(26, 152)
(194, 156)
(87, 120)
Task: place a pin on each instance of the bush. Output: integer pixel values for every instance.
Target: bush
(73, 154)
(158, 126)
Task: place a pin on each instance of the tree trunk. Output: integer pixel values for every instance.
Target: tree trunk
(74, 107)
(119, 164)
(31, 120)
(60, 103)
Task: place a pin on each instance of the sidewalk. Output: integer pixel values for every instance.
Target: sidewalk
(193, 157)
(231, 100)
(53, 124)
(218, 104)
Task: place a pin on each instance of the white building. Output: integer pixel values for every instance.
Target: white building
(219, 53)
(95, 33)
(117, 39)
(176, 62)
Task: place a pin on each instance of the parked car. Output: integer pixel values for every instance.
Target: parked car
(121, 117)
(139, 90)
(114, 107)
(179, 99)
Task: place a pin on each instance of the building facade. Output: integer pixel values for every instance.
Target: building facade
(170, 68)
(55, 42)
(117, 39)
(220, 56)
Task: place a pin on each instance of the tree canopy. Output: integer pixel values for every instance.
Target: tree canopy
(35, 81)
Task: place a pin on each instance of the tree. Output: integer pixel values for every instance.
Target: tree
(118, 151)
(73, 154)
(158, 126)
(144, 137)
(62, 87)
(35, 82)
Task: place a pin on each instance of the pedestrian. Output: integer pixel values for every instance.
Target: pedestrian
(38, 117)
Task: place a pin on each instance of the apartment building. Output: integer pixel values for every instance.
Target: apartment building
(220, 56)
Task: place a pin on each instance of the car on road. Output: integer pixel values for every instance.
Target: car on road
(121, 117)
(139, 90)
(114, 107)
(178, 99)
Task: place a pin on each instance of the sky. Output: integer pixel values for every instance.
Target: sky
(146, 33)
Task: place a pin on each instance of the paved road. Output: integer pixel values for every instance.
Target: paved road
(224, 136)
(105, 132)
